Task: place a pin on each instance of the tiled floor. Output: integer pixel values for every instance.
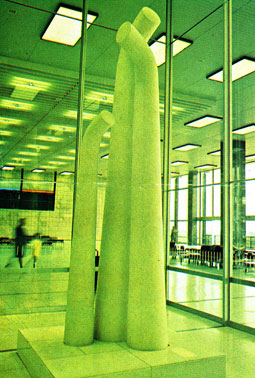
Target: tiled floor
(35, 299)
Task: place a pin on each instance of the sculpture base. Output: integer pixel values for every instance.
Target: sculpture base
(44, 355)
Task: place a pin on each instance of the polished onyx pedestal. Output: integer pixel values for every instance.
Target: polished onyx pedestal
(44, 355)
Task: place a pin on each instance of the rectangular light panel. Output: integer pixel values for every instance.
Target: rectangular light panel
(106, 156)
(250, 157)
(215, 153)
(37, 146)
(66, 157)
(241, 68)
(62, 128)
(5, 133)
(186, 147)
(203, 121)
(8, 168)
(244, 130)
(178, 162)
(158, 48)
(38, 170)
(66, 173)
(28, 153)
(9, 121)
(66, 30)
(73, 114)
(206, 166)
(47, 138)
(17, 105)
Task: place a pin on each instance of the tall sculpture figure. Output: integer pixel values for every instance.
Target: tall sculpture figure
(79, 327)
(130, 301)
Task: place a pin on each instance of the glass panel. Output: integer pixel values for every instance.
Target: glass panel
(216, 200)
(183, 204)
(242, 304)
(200, 293)
(249, 199)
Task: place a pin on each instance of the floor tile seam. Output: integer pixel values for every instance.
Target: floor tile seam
(200, 329)
(139, 358)
(201, 300)
(32, 293)
(35, 312)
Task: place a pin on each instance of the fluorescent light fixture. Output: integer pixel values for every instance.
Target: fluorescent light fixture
(38, 170)
(187, 147)
(9, 121)
(203, 121)
(47, 138)
(240, 68)
(250, 157)
(66, 157)
(28, 153)
(158, 47)
(175, 109)
(175, 173)
(48, 167)
(104, 145)
(206, 166)
(106, 156)
(5, 133)
(57, 162)
(29, 84)
(16, 164)
(72, 151)
(9, 104)
(107, 134)
(215, 153)
(37, 146)
(244, 130)
(100, 96)
(8, 168)
(66, 173)
(26, 88)
(62, 128)
(67, 30)
(2, 142)
(73, 114)
(178, 162)
(21, 159)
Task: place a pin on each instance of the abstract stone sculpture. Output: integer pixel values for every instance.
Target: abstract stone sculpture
(79, 329)
(130, 303)
(130, 298)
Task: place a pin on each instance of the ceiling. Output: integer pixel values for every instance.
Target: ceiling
(36, 129)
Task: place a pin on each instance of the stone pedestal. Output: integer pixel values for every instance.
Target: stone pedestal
(45, 356)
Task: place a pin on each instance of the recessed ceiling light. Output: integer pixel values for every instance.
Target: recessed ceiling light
(9, 104)
(215, 153)
(37, 146)
(38, 170)
(205, 166)
(28, 153)
(7, 121)
(100, 96)
(244, 130)
(8, 168)
(62, 128)
(16, 164)
(29, 84)
(47, 138)
(66, 173)
(20, 159)
(250, 157)
(5, 133)
(179, 162)
(158, 47)
(106, 156)
(72, 151)
(240, 68)
(73, 114)
(2, 142)
(67, 30)
(107, 134)
(57, 162)
(66, 157)
(187, 147)
(203, 121)
(104, 145)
